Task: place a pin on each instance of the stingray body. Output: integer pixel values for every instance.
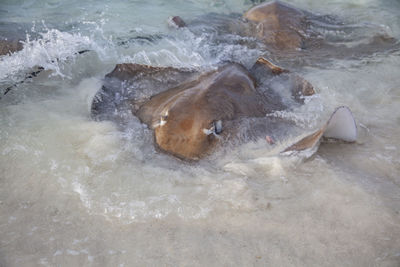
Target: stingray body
(290, 34)
(199, 110)
(279, 25)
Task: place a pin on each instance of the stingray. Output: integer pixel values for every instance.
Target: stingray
(192, 113)
(285, 32)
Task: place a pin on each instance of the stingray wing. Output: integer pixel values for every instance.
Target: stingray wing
(135, 82)
(340, 126)
(280, 87)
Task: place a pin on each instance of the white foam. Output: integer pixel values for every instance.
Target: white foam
(49, 51)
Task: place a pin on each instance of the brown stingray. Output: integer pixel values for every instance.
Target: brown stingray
(284, 27)
(278, 24)
(189, 119)
(294, 36)
(189, 111)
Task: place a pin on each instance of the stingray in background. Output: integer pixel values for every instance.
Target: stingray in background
(290, 35)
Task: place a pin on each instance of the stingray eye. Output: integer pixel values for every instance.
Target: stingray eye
(164, 118)
(217, 127)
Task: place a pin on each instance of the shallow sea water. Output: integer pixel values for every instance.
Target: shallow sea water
(78, 192)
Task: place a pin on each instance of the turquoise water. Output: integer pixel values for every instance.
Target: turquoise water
(77, 192)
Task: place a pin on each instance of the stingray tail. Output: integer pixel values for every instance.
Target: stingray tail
(340, 126)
